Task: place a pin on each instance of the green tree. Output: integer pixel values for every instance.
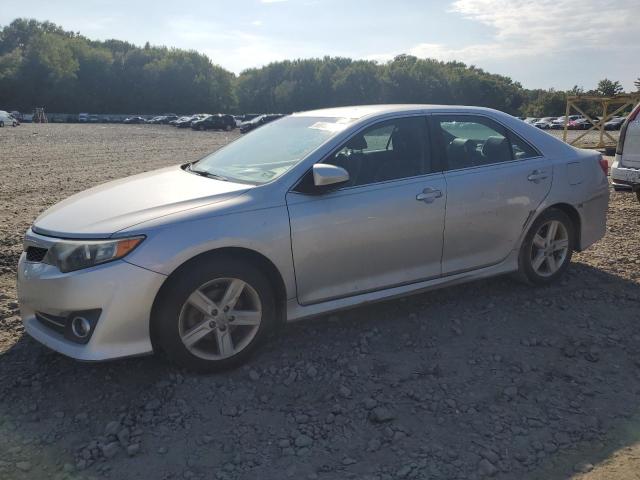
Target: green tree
(608, 88)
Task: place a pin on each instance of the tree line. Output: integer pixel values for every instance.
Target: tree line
(41, 64)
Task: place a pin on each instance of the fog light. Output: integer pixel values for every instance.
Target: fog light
(80, 327)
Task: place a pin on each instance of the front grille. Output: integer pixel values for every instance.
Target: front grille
(36, 254)
(52, 321)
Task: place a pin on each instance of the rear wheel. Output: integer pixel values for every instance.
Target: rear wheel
(547, 248)
(213, 315)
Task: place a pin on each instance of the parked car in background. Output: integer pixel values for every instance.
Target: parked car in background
(186, 121)
(179, 119)
(615, 123)
(7, 119)
(94, 118)
(17, 115)
(83, 117)
(214, 122)
(579, 124)
(134, 120)
(259, 121)
(530, 120)
(559, 122)
(167, 119)
(155, 120)
(625, 170)
(205, 269)
(544, 123)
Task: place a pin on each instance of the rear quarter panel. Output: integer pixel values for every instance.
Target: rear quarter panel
(579, 181)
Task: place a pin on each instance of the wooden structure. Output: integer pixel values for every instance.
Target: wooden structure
(39, 116)
(611, 106)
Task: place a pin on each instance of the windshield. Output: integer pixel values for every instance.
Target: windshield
(269, 151)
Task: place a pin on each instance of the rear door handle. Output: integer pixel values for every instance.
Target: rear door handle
(537, 175)
(428, 195)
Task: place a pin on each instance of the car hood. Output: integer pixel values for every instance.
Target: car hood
(104, 210)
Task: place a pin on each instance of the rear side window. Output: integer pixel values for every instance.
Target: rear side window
(472, 141)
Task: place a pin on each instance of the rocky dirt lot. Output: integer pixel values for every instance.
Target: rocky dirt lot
(492, 379)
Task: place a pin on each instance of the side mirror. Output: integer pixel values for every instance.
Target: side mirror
(325, 175)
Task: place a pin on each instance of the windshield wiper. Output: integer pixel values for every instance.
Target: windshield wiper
(204, 173)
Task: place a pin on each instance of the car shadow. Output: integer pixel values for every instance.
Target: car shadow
(489, 378)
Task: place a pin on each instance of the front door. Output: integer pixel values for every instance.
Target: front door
(382, 229)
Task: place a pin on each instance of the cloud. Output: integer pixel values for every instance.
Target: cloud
(525, 28)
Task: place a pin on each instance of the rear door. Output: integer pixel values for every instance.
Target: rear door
(383, 229)
(495, 181)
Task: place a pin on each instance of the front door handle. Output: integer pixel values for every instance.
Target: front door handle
(537, 175)
(428, 195)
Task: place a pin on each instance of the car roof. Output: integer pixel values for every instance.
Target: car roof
(361, 111)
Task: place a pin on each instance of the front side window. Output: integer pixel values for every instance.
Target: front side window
(389, 150)
(472, 141)
(269, 151)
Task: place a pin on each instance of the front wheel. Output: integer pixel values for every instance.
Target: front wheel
(547, 248)
(212, 315)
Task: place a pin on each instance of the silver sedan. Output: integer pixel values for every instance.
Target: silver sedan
(316, 212)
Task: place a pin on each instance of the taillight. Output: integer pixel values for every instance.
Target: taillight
(604, 165)
(623, 131)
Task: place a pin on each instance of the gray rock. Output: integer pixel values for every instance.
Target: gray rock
(110, 450)
(123, 437)
(23, 466)
(486, 468)
(82, 417)
(345, 392)
(152, 405)
(303, 441)
(133, 449)
(583, 467)
(112, 428)
(370, 403)
(381, 415)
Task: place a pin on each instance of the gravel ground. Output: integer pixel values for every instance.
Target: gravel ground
(492, 379)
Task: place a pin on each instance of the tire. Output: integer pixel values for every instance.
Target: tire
(542, 261)
(175, 316)
(1, 124)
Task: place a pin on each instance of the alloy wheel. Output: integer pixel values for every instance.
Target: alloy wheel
(220, 318)
(549, 248)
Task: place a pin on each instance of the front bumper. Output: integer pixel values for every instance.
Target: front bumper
(124, 294)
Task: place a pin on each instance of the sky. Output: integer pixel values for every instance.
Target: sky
(539, 43)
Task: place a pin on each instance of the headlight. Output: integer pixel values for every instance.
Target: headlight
(73, 255)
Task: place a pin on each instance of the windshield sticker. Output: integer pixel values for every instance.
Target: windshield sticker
(337, 126)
